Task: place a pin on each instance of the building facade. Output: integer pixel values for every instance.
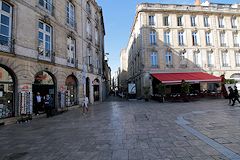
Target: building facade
(53, 47)
(169, 38)
(123, 76)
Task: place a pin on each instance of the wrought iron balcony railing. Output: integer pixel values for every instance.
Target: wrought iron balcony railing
(46, 56)
(7, 45)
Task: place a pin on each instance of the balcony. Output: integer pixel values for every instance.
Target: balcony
(154, 66)
(225, 65)
(169, 65)
(236, 45)
(7, 46)
(208, 44)
(99, 71)
(221, 26)
(71, 23)
(210, 65)
(223, 44)
(48, 56)
(71, 62)
(90, 68)
(89, 37)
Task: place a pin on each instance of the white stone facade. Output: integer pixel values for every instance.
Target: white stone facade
(179, 38)
(29, 53)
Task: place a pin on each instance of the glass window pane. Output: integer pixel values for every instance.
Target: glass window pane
(3, 40)
(47, 38)
(6, 7)
(40, 35)
(48, 29)
(41, 2)
(40, 25)
(4, 20)
(4, 30)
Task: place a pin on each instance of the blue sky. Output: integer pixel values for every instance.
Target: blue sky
(118, 19)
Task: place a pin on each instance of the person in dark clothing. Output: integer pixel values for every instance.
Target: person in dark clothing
(235, 96)
(230, 95)
(48, 105)
(38, 103)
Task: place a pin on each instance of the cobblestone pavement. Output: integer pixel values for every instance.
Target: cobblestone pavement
(128, 130)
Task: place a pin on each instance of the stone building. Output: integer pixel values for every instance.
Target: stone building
(53, 47)
(171, 38)
(123, 76)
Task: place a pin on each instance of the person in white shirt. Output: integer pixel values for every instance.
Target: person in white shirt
(85, 104)
(38, 103)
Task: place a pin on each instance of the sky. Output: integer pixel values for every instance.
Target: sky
(118, 19)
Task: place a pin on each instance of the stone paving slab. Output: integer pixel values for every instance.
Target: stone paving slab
(124, 130)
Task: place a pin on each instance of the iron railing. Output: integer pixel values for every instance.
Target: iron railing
(7, 45)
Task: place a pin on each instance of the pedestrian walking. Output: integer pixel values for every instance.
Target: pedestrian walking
(85, 104)
(38, 103)
(235, 96)
(230, 95)
(48, 105)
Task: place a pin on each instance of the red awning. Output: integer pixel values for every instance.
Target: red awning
(194, 77)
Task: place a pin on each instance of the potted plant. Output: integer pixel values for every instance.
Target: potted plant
(161, 89)
(146, 90)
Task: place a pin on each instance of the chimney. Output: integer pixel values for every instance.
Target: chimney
(197, 2)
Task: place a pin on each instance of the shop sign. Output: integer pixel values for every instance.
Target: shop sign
(25, 88)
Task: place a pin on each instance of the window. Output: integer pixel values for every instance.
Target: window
(193, 21)
(167, 38)
(234, 22)
(70, 14)
(153, 38)
(207, 38)
(169, 62)
(88, 7)
(206, 21)
(235, 40)
(46, 4)
(89, 30)
(6, 25)
(44, 40)
(154, 59)
(225, 59)
(96, 36)
(165, 21)
(89, 57)
(151, 20)
(210, 58)
(222, 39)
(237, 56)
(179, 21)
(194, 38)
(71, 57)
(197, 58)
(221, 22)
(181, 38)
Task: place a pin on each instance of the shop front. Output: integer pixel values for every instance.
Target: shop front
(96, 90)
(44, 84)
(7, 91)
(71, 93)
(198, 83)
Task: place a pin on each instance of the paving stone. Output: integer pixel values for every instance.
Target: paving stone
(125, 130)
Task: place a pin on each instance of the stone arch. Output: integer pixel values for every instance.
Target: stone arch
(96, 89)
(71, 83)
(45, 82)
(8, 91)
